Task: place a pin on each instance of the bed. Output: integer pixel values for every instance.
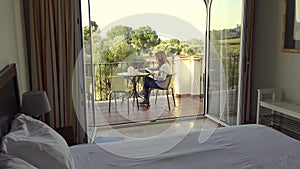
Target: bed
(245, 146)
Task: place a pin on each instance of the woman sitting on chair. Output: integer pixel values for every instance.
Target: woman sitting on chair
(159, 79)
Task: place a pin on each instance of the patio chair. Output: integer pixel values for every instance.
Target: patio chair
(118, 85)
(167, 89)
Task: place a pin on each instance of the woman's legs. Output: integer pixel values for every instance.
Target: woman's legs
(148, 83)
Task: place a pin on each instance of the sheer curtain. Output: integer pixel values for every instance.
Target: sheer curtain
(297, 20)
(54, 43)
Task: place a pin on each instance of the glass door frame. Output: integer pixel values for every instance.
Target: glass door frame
(244, 61)
(89, 69)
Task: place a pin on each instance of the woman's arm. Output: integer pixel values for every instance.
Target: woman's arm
(148, 70)
(152, 68)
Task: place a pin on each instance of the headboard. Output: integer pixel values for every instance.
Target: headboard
(10, 103)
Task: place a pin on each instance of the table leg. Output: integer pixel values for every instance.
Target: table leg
(134, 92)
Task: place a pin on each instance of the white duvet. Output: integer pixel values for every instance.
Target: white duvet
(237, 147)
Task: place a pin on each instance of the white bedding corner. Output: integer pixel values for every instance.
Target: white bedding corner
(36, 143)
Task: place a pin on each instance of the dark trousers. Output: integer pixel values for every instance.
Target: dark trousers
(149, 83)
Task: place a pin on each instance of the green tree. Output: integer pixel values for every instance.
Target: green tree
(171, 46)
(87, 31)
(187, 50)
(100, 48)
(89, 37)
(119, 31)
(175, 47)
(118, 51)
(144, 38)
(196, 45)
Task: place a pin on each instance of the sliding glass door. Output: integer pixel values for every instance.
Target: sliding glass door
(223, 64)
(87, 29)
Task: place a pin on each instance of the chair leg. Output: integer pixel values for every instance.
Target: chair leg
(137, 102)
(156, 96)
(133, 101)
(173, 96)
(115, 97)
(168, 100)
(109, 102)
(128, 103)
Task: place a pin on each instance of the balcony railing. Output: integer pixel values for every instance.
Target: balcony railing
(101, 71)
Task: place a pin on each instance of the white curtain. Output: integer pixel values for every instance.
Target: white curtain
(54, 43)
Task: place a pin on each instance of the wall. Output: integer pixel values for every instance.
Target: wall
(270, 66)
(12, 39)
(188, 71)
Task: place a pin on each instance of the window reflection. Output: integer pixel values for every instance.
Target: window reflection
(225, 33)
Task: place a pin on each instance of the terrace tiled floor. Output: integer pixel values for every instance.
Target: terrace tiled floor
(185, 106)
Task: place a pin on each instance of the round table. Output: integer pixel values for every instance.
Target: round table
(134, 77)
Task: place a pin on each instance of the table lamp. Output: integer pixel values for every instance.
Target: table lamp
(35, 103)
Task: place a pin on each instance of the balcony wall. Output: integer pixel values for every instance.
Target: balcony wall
(189, 75)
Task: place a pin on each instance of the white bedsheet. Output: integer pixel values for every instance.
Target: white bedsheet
(237, 147)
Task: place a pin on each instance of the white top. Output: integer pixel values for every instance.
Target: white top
(161, 77)
(163, 72)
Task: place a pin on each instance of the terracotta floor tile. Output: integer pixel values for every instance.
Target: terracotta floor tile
(185, 106)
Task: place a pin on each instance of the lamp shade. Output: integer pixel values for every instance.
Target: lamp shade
(35, 103)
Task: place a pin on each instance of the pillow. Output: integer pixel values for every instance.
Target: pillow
(10, 162)
(37, 143)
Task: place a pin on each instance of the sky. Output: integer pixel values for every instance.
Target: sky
(182, 19)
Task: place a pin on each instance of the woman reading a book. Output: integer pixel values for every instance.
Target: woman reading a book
(160, 79)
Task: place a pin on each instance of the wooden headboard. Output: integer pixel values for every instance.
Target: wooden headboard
(10, 103)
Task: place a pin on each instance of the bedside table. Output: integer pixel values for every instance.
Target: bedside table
(67, 133)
